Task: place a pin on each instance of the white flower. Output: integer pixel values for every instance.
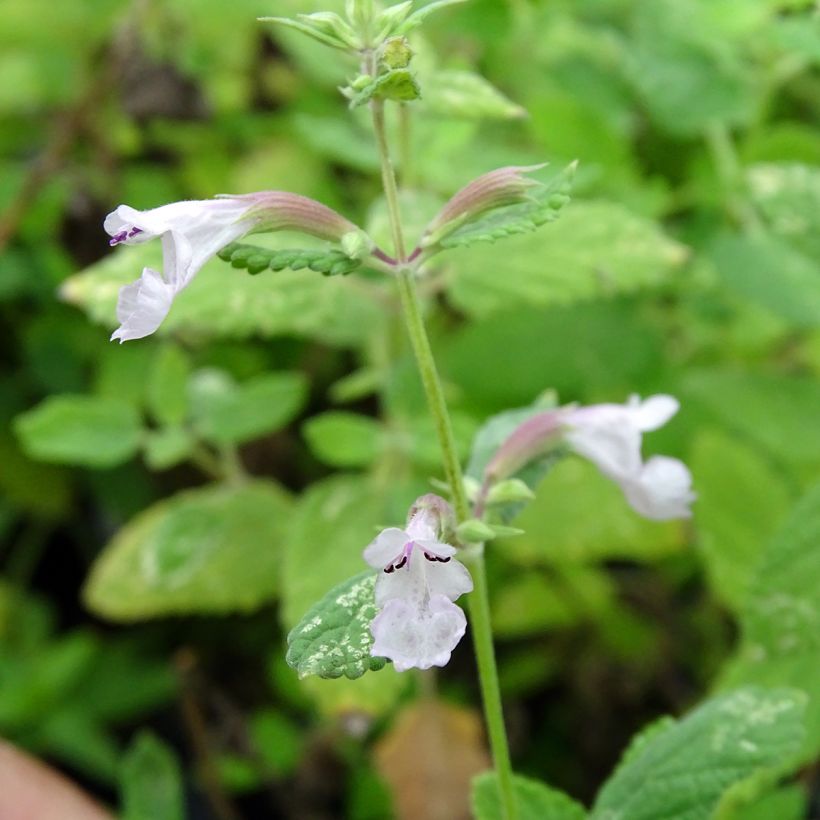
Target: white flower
(418, 625)
(609, 435)
(192, 232)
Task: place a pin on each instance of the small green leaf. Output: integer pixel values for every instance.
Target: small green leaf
(397, 84)
(418, 17)
(344, 439)
(681, 769)
(329, 262)
(325, 27)
(545, 206)
(92, 431)
(334, 639)
(167, 447)
(215, 549)
(151, 781)
(535, 800)
(240, 413)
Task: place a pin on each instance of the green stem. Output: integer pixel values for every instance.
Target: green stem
(478, 599)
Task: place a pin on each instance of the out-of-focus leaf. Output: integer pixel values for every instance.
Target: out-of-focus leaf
(222, 302)
(579, 516)
(466, 94)
(788, 194)
(601, 249)
(780, 622)
(151, 781)
(89, 430)
(278, 740)
(778, 412)
(334, 638)
(687, 77)
(535, 800)
(741, 499)
(698, 757)
(344, 439)
(167, 391)
(211, 550)
(770, 273)
(446, 744)
(243, 412)
(31, 485)
(167, 447)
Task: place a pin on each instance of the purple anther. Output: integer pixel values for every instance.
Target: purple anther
(117, 238)
(134, 231)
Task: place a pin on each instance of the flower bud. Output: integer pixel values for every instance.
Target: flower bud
(396, 53)
(528, 441)
(283, 211)
(357, 244)
(474, 531)
(512, 490)
(438, 514)
(504, 186)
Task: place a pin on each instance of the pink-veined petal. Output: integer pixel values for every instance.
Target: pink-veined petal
(415, 637)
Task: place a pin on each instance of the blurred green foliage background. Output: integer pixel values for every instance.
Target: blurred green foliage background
(172, 506)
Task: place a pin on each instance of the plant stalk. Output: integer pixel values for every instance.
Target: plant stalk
(478, 599)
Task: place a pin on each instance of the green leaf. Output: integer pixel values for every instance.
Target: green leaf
(397, 84)
(151, 781)
(216, 549)
(535, 800)
(545, 206)
(344, 439)
(333, 638)
(601, 249)
(92, 431)
(686, 77)
(682, 768)
(167, 394)
(167, 447)
(221, 302)
(780, 624)
(324, 27)
(778, 412)
(332, 524)
(329, 262)
(788, 194)
(240, 413)
(741, 499)
(770, 273)
(468, 95)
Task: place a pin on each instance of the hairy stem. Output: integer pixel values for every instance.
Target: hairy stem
(478, 600)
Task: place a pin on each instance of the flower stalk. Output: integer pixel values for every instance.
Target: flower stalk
(478, 600)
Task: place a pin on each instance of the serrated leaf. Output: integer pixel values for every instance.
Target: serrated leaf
(780, 624)
(151, 781)
(770, 273)
(243, 412)
(535, 800)
(92, 431)
(545, 206)
(468, 95)
(398, 84)
(600, 249)
(215, 549)
(254, 259)
(334, 639)
(681, 770)
(223, 303)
